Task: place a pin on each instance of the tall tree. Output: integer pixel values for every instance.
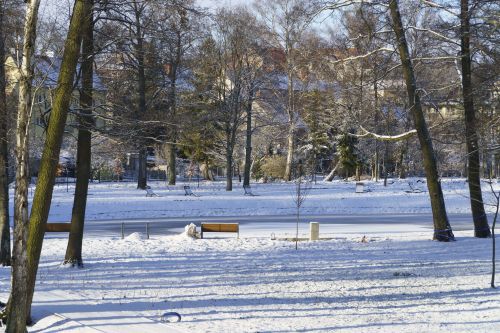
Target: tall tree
(177, 41)
(131, 24)
(253, 80)
(243, 68)
(481, 227)
(17, 314)
(442, 228)
(50, 156)
(230, 36)
(286, 22)
(83, 155)
(4, 154)
(248, 137)
(138, 9)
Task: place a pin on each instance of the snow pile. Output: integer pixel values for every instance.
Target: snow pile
(190, 230)
(135, 236)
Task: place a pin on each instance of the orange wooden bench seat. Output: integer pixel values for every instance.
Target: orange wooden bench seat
(220, 227)
(57, 227)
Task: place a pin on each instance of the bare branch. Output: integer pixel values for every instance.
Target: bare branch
(435, 5)
(437, 34)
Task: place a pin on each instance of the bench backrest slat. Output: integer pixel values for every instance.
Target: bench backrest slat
(219, 227)
(58, 227)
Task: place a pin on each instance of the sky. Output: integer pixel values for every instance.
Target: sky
(222, 3)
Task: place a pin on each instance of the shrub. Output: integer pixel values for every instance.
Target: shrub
(274, 167)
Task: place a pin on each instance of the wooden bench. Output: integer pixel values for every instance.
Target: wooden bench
(188, 192)
(220, 227)
(57, 227)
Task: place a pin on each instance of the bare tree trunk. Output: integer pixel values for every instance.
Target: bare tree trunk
(442, 228)
(170, 148)
(142, 178)
(289, 155)
(481, 227)
(248, 148)
(141, 87)
(4, 156)
(83, 159)
(331, 175)
(206, 172)
(17, 314)
(386, 157)
(493, 238)
(402, 167)
(229, 169)
(52, 146)
(376, 120)
(291, 113)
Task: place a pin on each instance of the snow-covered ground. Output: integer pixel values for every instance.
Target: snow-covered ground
(396, 282)
(123, 200)
(393, 283)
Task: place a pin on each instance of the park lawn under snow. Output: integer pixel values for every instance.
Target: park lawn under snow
(122, 200)
(399, 281)
(392, 283)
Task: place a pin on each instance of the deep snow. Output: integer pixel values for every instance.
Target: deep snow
(397, 282)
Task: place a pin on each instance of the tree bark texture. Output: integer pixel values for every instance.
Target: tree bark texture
(442, 228)
(141, 87)
(481, 227)
(229, 169)
(231, 129)
(4, 155)
(376, 121)
(248, 147)
(142, 178)
(290, 110)
(290, 152)
(17, 312)
(170, 148)
(83, 155)
(52, 147)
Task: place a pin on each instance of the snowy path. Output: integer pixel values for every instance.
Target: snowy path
(263, 226)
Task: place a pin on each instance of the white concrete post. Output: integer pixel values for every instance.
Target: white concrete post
(314, 231)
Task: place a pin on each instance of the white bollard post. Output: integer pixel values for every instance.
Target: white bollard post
(314, 231)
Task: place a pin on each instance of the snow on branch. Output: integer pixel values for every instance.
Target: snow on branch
(367, 134)
(382, 49)
(435, 5)
(435, 58)
(437, 34)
